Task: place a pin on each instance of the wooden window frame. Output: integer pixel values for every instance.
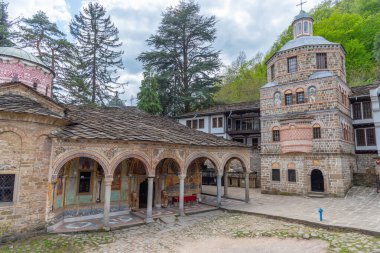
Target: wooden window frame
(91, 182)
(321, 60)
(201, 123)
(273, 175)
(290, 179)
(276, 135)
(317, 132)
(292, 64)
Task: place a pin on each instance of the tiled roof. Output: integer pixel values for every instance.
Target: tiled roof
(131, 124)
(306, 41)
(224, 108)
(363, 90)
(21, 104)
(321, 74)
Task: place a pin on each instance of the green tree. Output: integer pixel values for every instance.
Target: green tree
(183, 58)
(97, 41)
(45, 39)
(376, 48)
(5, 26)
(148, 97)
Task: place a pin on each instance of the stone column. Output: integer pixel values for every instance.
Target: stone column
(64, 179)
(219, 189)
(157, 198)
(181, 194)
(226, 184)
(107, 200)
(247, 187)
(149, 208)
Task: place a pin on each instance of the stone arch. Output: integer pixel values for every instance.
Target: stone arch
(325, 177)
(192, 157)
(229, 157)
(17, 131)
(127, 155)
(76, 154)
(179, 161)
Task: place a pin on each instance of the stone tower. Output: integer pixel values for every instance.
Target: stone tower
(17, 65)
(307, 134)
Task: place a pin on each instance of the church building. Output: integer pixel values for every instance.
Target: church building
(307, 144)
(81, 167)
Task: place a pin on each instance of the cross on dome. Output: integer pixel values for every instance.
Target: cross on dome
(301, 4)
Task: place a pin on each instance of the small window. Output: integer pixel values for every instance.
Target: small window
(35, 85)
(84, 182)
(272, 73)
(292, 64)
(316, 132)
(195, 124)
(188, 123)
(292, 176)
(238, 124)
(276, 134)
(220, 122)
(299, 28)
(371, 139)
(300, 97)
(46, 90)
(306, 27)
(357, 112)
(367, 110)
(7, 183)
(214, 122)
(360, 137)
(288, 98)
(276, 175)
(321, 61)
(201, 123)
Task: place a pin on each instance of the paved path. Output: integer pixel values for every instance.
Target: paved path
(360, 209)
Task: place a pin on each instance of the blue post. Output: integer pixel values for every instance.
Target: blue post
(320, 214)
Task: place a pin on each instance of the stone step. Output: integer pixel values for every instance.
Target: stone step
(316, 195)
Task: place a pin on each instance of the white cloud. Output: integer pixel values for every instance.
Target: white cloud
(56, 10)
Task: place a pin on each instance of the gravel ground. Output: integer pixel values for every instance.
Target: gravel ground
(208, 232)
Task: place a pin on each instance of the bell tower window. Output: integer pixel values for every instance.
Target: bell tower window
(292, 64)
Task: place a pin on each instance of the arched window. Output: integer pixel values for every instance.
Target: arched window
(288, 97)
(316, 131)
(300, 94)
(306, 27)
(276, 134)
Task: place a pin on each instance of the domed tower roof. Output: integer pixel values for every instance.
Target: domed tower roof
(301, 15)
(22, 55)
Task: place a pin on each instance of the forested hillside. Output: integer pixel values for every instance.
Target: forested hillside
(353, 23)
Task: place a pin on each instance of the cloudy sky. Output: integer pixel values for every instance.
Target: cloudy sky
(243, 25)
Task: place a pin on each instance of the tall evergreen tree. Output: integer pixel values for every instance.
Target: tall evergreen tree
(186, 64)
(49, 43)
(97, 42)
(5, 26)
(148, 98)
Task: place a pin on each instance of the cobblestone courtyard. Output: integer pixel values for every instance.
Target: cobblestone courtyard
(358, 210)
(214, 231)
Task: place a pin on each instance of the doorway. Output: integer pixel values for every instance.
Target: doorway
(317, 181)
(143, 194)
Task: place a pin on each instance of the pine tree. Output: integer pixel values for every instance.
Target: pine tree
(5, 26)
(50, 44)
(97, 42)
(148, 98)
(183, 57)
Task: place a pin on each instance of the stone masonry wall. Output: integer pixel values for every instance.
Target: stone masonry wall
(307, 63)
(25, 152)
